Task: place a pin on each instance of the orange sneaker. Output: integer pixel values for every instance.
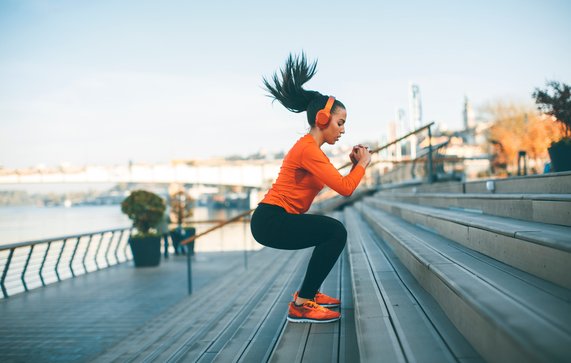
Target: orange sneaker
(311, 312)
(323, 300)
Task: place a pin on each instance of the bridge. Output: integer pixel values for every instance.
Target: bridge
(244, 173)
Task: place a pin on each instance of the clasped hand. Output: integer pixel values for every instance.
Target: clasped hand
(360, 155)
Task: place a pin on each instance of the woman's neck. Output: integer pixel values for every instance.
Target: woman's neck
(317, 136)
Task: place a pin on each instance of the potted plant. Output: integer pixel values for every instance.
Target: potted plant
(556, 102)
(145, 209)
(181, 208)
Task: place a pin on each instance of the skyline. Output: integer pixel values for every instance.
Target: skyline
(105, 83)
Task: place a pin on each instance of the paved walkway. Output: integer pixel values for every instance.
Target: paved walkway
(77, 319)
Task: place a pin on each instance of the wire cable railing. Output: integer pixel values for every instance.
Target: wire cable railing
(27, 265)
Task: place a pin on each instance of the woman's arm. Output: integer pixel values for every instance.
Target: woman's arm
(315, 161)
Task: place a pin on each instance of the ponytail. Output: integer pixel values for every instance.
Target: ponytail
(289, 90)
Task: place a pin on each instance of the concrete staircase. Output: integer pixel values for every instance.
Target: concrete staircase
(488, 263)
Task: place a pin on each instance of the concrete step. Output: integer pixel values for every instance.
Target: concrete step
(543, 208)
(229, 309)
(194, 317)
(395, 318)
(551, 183)
(311, 342)
(252, 336)
(537, 248)
(506, 314)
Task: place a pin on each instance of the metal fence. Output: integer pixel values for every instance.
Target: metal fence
(27, 265)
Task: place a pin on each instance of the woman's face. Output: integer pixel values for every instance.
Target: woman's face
(336, 126)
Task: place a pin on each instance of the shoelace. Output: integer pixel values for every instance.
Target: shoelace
(312, 304)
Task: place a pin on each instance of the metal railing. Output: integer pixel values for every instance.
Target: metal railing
(396, 141)
(327, 194)
(27, 265)
(238, 218)
(425, 166)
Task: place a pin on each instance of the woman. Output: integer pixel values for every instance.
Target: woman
(279, 220)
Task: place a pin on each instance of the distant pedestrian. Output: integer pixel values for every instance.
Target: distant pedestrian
(279, 220)
(163, 229)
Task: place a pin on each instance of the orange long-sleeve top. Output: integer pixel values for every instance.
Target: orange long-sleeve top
(304, 172)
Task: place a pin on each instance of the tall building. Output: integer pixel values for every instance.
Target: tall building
(384, 154)
(468, 115)
(392, 130)
(394, 150)
(400, 117)
(415, 115)
(414, 106)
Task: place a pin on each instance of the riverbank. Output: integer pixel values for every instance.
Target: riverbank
(29, 223)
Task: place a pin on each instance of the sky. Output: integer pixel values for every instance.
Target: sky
(108, 82)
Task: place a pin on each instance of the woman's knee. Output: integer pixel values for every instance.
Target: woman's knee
(339, 232)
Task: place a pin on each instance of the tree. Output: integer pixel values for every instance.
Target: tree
(181, 206)
(518, 127)
(556, 102)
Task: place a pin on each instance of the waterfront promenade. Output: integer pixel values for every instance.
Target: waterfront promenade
(77, 319)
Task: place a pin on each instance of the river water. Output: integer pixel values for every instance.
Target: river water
(29, 223)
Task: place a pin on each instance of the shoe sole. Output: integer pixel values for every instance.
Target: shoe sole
(330, 305)
(305, 320)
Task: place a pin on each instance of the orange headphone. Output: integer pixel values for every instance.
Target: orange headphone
(324, 115)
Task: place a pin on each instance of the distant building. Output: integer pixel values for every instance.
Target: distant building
(400, 117)
(383, 140)
(469, 122)
(468, 115)
(415, 117)
(414, 107)
(394, 150)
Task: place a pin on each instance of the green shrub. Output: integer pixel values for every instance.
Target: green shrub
(145, 209)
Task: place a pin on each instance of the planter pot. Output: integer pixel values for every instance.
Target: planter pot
(146, 251)
(178, 235)
(560, 154)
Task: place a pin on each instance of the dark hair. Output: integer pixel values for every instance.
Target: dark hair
(290, 93)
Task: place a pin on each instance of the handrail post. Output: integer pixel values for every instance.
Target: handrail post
(23, 276)
(245, 247)
(43, 263)
(116, 253)
(97, 251)
(73, 256)
(109, 248)
(5, 273)
(430, 166)
(86, 252)
(189, 271)
(59, 259)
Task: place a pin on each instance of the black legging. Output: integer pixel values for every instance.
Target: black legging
(273, 227)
